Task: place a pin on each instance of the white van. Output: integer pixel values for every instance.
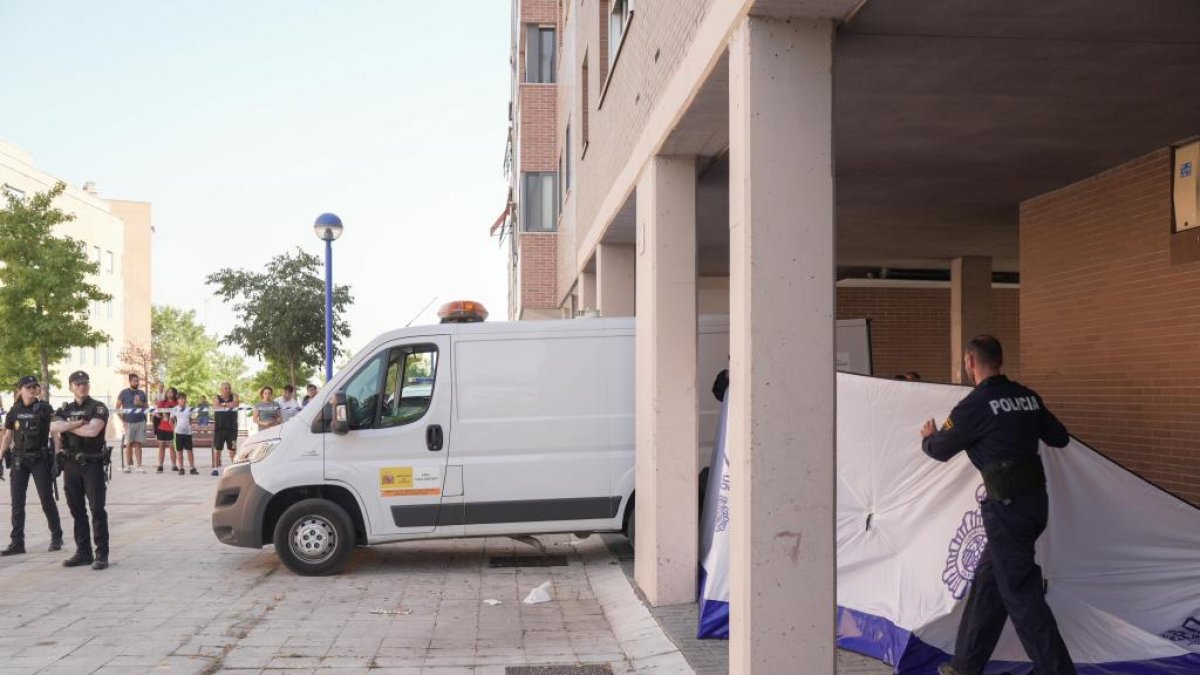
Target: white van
(455, 430)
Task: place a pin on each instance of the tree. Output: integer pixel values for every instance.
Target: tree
(45, 294)
(140, 361)
(274, 375)
(15, 364)
(229, 368)
(184, 352)
(281, 311)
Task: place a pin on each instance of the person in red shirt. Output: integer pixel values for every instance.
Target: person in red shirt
(164, 430)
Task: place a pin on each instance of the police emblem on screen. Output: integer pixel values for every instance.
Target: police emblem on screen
(965, 550)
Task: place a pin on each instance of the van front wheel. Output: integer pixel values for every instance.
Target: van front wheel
(314, 537)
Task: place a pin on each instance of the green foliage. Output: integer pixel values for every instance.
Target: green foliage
(15, 364)
(184, 356)
(276, 375)
(281, 312)
(45, 294)
(183, 353)
(229, 368)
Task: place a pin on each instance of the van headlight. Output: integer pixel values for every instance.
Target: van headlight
(255, 451)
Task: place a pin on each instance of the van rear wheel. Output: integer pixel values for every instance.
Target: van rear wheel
(314, 537)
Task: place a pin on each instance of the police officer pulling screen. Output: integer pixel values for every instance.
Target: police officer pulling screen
(999, 425)
(81, 424)
(26, 449)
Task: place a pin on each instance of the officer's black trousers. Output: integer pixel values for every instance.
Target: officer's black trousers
(87, 480)
(1008, 583)
(19, 487)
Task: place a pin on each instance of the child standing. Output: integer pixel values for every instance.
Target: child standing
(182, 417)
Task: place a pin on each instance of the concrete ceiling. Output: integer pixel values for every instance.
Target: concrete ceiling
(949, 113)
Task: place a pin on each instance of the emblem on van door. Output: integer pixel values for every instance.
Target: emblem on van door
(403, 481)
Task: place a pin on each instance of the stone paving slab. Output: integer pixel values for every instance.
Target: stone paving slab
(177, 601)
(711, 657)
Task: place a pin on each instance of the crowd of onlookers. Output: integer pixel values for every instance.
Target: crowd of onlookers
(172, 420)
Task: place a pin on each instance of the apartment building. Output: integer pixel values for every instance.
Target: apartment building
(943, 169)
(116, 234)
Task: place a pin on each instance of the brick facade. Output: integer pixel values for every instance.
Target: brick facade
(910, 327)
(620, 99)
(534, 262)
(1109, 328)
(538, 252)
(539, 145)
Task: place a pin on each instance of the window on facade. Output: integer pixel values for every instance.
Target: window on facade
(96, 250)
(567, 173)
(108, 355)
(618, 21)
(408, 388)
(539, 54)
(13, 192)
(585, 102)
(539, 210)
(110, 261)
(108, 306)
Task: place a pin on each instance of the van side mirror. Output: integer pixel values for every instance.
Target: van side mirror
(341, 420)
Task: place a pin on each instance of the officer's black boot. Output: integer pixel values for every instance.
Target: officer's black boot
(55, 542)
(80, 559)
(101, 561)
(14, 548)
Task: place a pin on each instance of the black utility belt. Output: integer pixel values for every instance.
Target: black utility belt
(1008, 479)
(84, 457)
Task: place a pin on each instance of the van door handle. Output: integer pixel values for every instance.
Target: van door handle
(433, 437)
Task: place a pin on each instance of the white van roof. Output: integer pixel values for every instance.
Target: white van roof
(560, 327)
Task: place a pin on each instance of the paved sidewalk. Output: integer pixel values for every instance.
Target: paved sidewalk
(177, 601)
(711, 657)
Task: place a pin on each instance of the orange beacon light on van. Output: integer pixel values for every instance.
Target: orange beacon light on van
(462, 311)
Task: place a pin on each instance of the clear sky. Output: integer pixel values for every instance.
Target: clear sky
(242, 121)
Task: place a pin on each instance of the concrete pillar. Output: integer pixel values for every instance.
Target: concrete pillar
(782, 382)
(970, 308)
(587, 291)
(615, 279)
(666, 416)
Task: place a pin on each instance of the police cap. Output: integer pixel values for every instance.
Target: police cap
(27, 381)
(78, 377)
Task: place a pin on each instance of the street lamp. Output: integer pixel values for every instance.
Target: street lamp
(328, 227)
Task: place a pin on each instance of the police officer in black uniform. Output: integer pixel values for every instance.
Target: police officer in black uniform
(26, 445)
(999, 425)
(82, 423)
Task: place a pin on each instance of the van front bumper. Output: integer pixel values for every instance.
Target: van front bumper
(237, 517)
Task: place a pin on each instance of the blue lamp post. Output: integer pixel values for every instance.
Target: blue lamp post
(328, 227)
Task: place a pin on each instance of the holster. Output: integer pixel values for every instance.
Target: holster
(1011, 478)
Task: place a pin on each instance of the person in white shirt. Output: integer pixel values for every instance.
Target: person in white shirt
(181, 416)
(289, 405)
